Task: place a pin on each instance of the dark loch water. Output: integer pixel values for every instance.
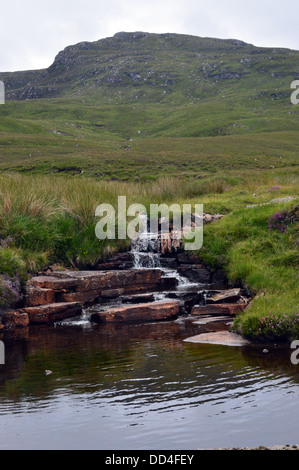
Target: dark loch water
(118, 387)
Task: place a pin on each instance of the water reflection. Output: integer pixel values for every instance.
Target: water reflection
(140, 386)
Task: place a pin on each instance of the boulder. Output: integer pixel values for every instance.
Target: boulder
(208, 218)
(146, 312)
(168, 243)
(141, 288)
(15, 319)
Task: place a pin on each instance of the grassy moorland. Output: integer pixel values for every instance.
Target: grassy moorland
(157, 118)
(139, 144)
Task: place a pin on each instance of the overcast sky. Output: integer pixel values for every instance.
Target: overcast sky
(32, 32)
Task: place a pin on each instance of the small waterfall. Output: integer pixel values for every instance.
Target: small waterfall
(145, 254)
(144, 248)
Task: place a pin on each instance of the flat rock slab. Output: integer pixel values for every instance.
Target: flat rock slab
(220, 337)
(212, 319)
(53, 282)
(138, 298)
(153, 311)
(52, 312)
(82, 281)
(218, 309)
(230, 296)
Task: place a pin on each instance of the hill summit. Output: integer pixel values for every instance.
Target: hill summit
(148, 67)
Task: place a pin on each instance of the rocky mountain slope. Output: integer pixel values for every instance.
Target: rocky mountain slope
(175, 68)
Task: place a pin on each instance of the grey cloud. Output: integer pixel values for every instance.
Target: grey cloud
(32, 33)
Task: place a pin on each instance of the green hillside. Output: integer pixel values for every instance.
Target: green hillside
(152, 102)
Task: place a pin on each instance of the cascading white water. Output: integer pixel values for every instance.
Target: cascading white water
(144, 247)
(144, 252)
(145, 255)
(146, 260)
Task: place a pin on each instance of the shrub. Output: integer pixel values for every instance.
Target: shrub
(11, 262)
(281, 220)
(10, 291)
(271, 327)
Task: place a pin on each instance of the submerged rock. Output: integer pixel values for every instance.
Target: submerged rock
(220, 337)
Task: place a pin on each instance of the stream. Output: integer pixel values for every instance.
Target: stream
(140, 386)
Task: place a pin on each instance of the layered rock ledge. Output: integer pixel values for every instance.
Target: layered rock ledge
(63, 294)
